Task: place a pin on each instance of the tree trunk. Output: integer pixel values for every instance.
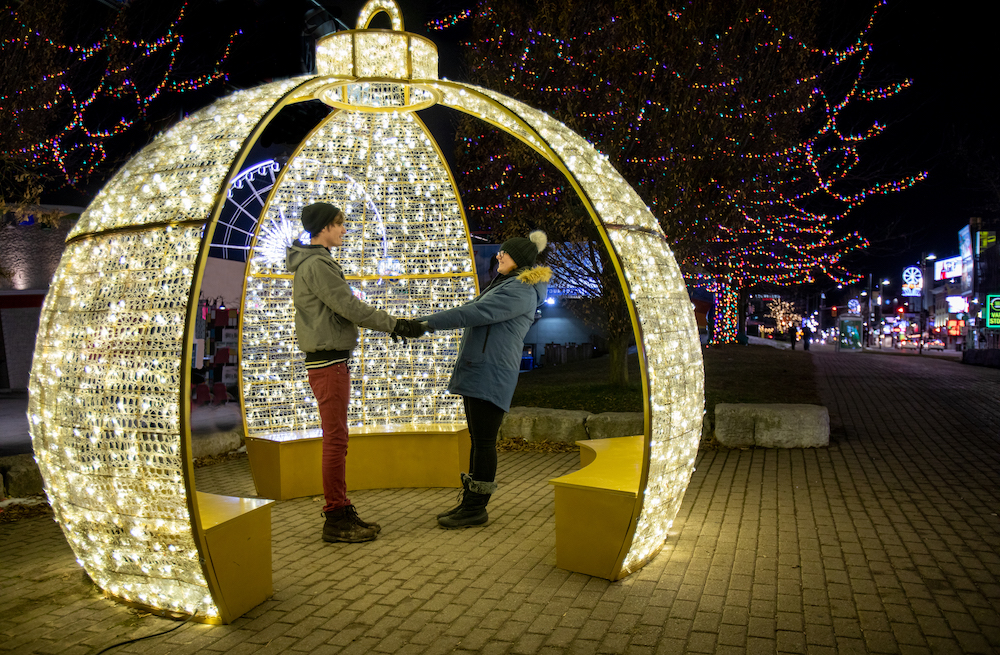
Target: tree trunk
(741, 315)
(726, 323)
(618, 349)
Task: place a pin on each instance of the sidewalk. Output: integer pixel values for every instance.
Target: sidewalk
(888, 541)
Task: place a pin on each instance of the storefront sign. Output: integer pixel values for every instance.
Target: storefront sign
(993, 311)
(965, 248)
(957, 304)
(946, 269)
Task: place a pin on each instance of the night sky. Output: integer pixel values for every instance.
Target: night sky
(941, 124)
(944, 124)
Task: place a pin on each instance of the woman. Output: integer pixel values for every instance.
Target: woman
(488, 362)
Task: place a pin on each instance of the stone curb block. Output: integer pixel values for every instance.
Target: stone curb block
(567, 425)
(541, 424)
(609, 425)
(21, 477)
(772, 425)
(216, 443)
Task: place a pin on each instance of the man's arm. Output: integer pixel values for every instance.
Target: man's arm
(336, 294)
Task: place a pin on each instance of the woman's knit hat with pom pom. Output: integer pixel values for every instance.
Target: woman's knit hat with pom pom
(525, 251)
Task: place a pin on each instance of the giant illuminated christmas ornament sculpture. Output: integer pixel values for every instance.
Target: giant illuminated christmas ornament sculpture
(110, 386)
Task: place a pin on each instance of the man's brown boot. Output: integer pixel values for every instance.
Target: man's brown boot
(341, 526)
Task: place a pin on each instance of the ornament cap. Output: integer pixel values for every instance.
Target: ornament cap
(377, 67)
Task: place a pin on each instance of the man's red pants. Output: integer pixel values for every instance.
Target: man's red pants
(332, 387)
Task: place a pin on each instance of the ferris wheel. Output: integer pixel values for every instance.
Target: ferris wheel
(913, 276)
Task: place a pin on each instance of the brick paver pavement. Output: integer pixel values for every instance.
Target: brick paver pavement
(888, 541)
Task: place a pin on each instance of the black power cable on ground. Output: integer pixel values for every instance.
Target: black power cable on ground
(155, 634)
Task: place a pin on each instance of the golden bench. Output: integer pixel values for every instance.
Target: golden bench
(287, 464)
(595, 505)
(235, 534)
(237, 537)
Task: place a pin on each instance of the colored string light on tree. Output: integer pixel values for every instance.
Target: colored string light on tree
(750, 170)
(87, 113)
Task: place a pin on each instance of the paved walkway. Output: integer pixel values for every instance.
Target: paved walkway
(888, 541)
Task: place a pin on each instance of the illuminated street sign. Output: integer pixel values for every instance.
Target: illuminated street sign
(913, 281)
(993, 311)
(946, 269)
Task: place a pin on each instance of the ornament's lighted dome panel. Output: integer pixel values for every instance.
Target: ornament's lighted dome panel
(107, 406)
(406, 251)
(110, 383)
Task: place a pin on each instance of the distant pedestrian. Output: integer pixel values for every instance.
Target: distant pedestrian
(792, 336)
(807, 334)
(488, 363)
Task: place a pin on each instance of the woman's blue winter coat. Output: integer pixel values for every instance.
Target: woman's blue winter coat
(489, 356)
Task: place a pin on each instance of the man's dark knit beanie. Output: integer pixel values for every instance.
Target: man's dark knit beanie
(317, 216)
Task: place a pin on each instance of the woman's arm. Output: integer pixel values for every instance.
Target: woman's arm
(503, 303)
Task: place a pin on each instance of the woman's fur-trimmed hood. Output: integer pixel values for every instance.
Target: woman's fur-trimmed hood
(535, 275)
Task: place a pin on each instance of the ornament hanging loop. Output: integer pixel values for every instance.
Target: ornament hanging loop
(373, 8)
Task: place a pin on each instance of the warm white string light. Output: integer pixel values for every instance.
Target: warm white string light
(104, 408)
(406, 251)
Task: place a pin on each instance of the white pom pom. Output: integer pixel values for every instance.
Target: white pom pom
(539, 239)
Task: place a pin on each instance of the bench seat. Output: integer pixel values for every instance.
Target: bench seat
(287, 464)
(237, 534)
(595, 505)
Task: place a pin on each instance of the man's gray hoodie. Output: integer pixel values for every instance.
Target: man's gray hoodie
(327, 312)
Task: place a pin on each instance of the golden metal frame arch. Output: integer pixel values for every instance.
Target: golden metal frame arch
(518, 126)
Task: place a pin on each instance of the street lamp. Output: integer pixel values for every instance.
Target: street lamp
(878, 316)
(925, 299)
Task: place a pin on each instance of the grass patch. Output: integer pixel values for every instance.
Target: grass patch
(733, 374)
(517, 444)
(36, 507)
(758, 374)
(579, 385)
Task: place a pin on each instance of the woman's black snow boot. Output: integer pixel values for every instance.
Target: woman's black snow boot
(472, 511)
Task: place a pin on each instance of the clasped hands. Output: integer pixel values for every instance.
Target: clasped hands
(408, 328)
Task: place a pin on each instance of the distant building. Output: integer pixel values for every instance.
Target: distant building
(30, 253)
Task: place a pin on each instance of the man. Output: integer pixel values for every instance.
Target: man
(326, 318)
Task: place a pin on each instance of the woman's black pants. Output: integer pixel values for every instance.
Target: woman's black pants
(484, 420)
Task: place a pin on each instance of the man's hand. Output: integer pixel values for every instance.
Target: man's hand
(408, 329)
